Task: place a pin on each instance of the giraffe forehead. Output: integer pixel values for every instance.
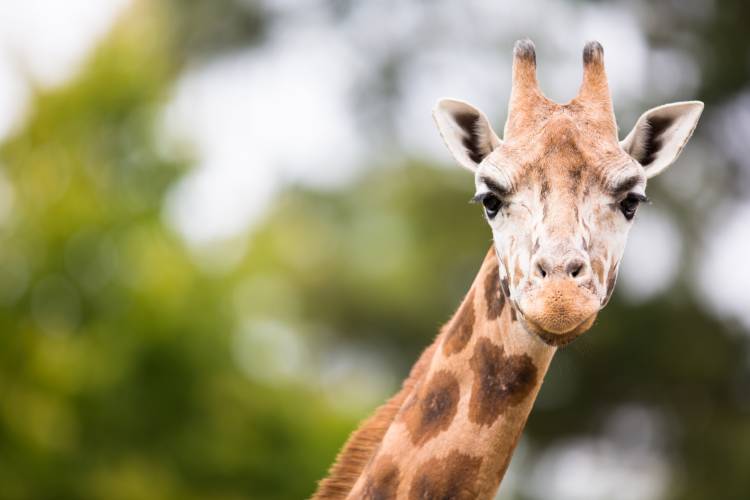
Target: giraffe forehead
(554, 118)
(565, 148)
(560, 162)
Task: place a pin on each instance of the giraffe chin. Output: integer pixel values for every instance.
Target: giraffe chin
(557, 339)
(559, 311)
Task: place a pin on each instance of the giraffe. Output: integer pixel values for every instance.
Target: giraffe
(559, 193)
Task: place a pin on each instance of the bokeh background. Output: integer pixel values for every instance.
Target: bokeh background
(227, 229)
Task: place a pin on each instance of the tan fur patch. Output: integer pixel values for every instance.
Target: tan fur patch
(433, 408)
(500, 381)
(461, 327)
(451, 478)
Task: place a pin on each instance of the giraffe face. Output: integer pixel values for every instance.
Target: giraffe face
(560, 213)
(560, 192)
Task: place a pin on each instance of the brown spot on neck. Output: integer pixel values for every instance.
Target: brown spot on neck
(454, 477)
(493, 298)
(432, 408)
(500, 381)
(461, 327)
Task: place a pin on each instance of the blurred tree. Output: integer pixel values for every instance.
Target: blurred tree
(116, 371)
(204, 29)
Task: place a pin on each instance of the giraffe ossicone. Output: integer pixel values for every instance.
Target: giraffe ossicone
(559, 192)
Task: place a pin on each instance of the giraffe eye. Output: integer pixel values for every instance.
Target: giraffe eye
(491, 204)
(629, 205)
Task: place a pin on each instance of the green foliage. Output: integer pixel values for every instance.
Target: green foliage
(116, 374)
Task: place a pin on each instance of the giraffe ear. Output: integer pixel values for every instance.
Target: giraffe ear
(660, 134)
(466, 132)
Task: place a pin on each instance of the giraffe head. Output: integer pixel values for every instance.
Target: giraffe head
(559, 190)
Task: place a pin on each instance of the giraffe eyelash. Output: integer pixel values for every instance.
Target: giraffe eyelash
(496, 191)
(479, 197)
(640, 198)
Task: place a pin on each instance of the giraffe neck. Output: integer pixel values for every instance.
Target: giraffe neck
(452, 429)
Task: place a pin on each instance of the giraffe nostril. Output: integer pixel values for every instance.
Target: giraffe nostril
(540, 269)
(574, 268)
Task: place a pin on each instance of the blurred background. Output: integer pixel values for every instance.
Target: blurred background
(227, 229)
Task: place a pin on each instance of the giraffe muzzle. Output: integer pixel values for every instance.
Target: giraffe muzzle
(559, 310)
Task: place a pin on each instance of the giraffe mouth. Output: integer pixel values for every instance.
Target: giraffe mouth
(552, 338)
(558, 312)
